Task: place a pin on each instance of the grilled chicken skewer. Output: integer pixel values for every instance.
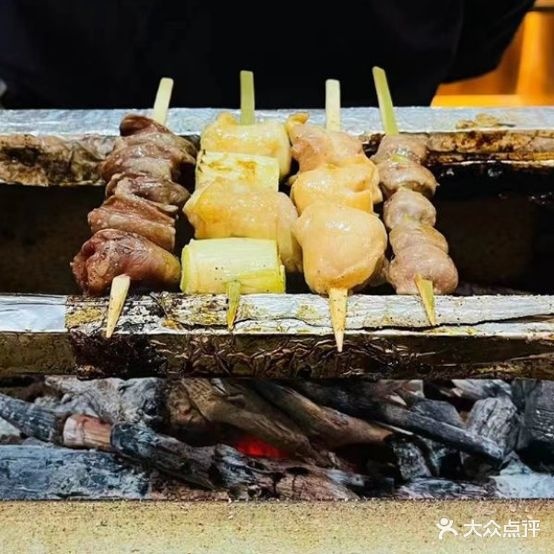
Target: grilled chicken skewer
(134, 229)
(421, 264)
(120, 284)
(343, 242)
(237, 197)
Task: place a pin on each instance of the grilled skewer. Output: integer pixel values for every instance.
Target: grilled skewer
(421, 264)
(237, 197)
(134, 229)
(343, 246)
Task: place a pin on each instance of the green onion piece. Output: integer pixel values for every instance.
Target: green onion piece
(247, 98)
(386, 108)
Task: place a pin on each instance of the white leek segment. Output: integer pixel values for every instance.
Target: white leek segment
(246, 169)
(208, 266)
(264, 138)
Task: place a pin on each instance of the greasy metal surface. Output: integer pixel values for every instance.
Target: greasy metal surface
(187, 121)
(280, 336)
(272, 528)
(296, 314)
(63, 147)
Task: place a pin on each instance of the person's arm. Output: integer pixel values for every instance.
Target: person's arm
(488, 28)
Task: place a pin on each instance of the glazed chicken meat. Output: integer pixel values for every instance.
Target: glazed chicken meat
(223, 210)
(342, 247)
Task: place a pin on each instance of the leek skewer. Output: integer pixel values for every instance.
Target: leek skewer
(233, 296)
(247, 117)
(247, 98)
(388, 119)
(338, 297)
(120, 284)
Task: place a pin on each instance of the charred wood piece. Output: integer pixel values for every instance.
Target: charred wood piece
(430, 488)
(353, 400)
(536, 437)
(495, 419)
(321, 424)
(117, 400)
(32, 420)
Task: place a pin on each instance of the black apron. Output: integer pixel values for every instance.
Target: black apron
(111, 53)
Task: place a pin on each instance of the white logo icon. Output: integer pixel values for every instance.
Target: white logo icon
(445, 526)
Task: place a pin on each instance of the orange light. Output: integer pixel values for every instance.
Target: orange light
(257, 448)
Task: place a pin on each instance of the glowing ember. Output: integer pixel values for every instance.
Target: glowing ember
(257, 448)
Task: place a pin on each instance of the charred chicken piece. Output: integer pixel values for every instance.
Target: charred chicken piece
(329, 161)
(427, 261)
(264, 138)
(410, 235)
(156, 154)
(398, 174)
(411, 147)
(111, 252)
(313, 146)
(342, 247)
(408, 206)
(160, 191)
(136, 215)
(223, 210)
(349, 185)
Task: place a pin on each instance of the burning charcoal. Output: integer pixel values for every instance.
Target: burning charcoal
(536, 437)
(409, 458)
(323, 425)
(441, 489)
(38, 473)
(8, 433)
(521, 389)
(517, 480)
(234, 403)
(351, 399)
(116, 400)
(286, 480)
(442, 460)
(477, 389)
(31, 420)
(438, 410)
(495, 419)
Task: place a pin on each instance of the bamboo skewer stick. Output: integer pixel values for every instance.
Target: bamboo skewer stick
(120, 284)
(390, 126)
(338, 297)
(247, 117)
(247, 98)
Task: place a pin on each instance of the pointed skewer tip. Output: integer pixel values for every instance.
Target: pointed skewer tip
(337, 306)
(425, 288)
(118, 295)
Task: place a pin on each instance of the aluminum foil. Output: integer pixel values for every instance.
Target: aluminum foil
(32, 313)
(188, 121)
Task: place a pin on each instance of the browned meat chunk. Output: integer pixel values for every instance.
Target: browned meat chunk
(394, 175)
(161, 191)
(148, 147)
(409, 235)
(408, 206)
(425, 260)
(313, 146)
(156, 154)
(411, 147)
(110, 253)
(223, 210)
(136, 215)
(133, 124)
